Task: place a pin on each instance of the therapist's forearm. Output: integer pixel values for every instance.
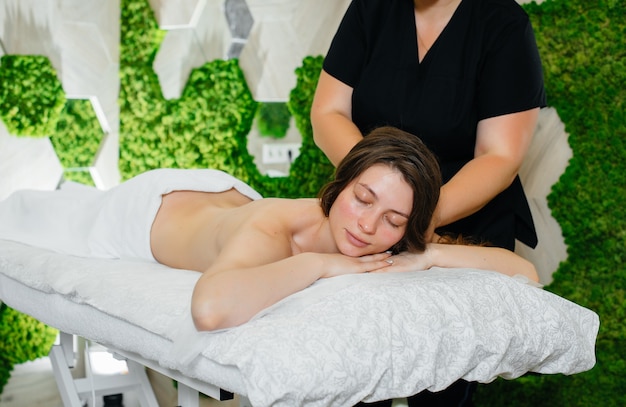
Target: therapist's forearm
(331, 118)
(501, 145)
(477, 183)
(335, 135)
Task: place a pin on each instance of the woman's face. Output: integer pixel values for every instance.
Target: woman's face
(370, 215)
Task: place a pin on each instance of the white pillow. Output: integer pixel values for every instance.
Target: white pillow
(379, 336)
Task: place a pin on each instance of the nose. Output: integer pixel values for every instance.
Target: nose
(367, 224)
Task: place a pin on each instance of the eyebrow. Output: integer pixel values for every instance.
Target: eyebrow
(371, 191)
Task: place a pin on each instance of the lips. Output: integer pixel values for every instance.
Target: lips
(355, 241)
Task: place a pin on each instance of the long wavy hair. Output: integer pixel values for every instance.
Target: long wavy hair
(406, 154)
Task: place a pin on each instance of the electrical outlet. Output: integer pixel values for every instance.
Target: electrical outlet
(280, 153)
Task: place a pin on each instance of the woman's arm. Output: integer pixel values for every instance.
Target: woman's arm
(249, 278)
(501, 144)
(331, 118)
(465, 256)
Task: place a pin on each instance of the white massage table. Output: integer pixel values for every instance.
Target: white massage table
(360, 337)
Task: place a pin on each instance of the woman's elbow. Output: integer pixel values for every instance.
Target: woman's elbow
(209, 317)
(208, 311)
(205, 321)
(531, 272)
(535, 276)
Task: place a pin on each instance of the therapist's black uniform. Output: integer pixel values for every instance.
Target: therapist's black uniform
(484, 64)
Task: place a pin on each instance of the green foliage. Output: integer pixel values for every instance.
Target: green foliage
(311, 169)
(23, 339)
(206, 127)
(583, 48)
(31, 96)
(32, 103)
(76, 140)
(272, 119)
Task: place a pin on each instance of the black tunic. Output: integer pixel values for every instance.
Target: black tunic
(484, 64)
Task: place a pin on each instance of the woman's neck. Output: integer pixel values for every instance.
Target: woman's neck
(431, 18)
(434, 5)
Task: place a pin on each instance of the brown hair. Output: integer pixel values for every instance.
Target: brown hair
(405, 153)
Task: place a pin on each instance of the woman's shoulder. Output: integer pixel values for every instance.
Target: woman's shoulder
(499, 20)
(278, 217)
(284, 208)
(501, 11)
(377, 4)
(379, 10)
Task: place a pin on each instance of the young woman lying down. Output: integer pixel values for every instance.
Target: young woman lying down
(373, 217)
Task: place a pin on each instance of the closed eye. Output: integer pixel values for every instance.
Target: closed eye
(362, 195)
(395, 220)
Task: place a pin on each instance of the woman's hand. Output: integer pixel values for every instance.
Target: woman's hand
(338, 264)
(406, 261)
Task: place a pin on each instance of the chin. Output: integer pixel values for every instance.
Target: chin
(349, 250)
(353, 251)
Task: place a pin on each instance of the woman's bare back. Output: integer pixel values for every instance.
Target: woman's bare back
(179, 238)
(192, 227)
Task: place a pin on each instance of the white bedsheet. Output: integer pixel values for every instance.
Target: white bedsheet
(361, 337)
